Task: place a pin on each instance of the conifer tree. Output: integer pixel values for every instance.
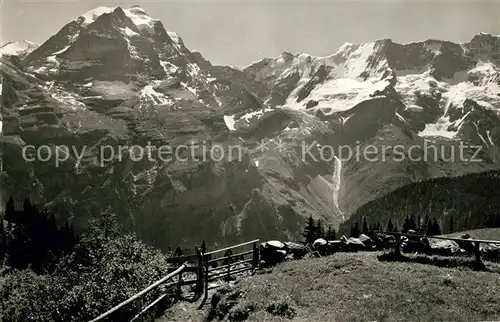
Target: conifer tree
(390, 226)
(309, 231)
(409, 224)
(319, 231)
(437, 228)
(430, 227)
(424, 225)
(3, 240)
(365, 227)
(10, 210)
(418, 223)
(331, 234)
(355, 230)
(33, 239)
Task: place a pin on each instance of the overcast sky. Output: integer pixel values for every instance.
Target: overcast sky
(240, 32)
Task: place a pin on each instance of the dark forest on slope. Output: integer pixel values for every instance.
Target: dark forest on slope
(461, 203)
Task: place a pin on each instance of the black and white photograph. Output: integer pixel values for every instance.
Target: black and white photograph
(249, 160)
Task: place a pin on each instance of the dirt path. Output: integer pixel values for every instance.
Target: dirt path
(186, 311)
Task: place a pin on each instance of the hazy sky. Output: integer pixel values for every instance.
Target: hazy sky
(240, 32)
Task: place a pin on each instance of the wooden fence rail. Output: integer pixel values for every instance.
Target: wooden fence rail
(232, 247)
(215, 260)
(137, 297)
(200, 265)
(475, 242)
(209, 274)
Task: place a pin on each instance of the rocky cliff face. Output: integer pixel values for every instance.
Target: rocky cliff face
(115, 77)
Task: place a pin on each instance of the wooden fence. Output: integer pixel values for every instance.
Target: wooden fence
(137, 297)
(208, 273)
(475, 242)
(200, 265)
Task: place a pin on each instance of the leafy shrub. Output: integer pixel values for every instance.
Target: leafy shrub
(222, 302)
(241, 311)
(103, 270)
(26, 296)
(283, 308)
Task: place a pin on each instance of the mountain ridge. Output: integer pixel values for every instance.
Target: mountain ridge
(455, 203)
(18, 48)
(154, 89)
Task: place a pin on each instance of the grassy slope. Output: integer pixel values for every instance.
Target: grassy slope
(359, 287)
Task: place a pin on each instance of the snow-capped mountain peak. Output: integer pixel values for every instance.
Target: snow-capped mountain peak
(141, 18)
(138, 16)
(139, 43)
(91, 16)
(143, 52)
(18, 48)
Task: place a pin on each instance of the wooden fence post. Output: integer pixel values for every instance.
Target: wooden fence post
(255, 259)
(477, 251)
(205, 262)
(138, 309)
(178, 291)
(199, 273)
(228, 266)
(397, 249)
(203, 247)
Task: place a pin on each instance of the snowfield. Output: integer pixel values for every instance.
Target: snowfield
(17, 48)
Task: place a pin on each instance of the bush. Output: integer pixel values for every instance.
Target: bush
(222, 302)
(283, 308)
(26, 296)
(241, 311)
(103, 270)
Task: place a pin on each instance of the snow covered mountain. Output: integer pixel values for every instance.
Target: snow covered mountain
(354, 73)
(18, 48)
(115, 77)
